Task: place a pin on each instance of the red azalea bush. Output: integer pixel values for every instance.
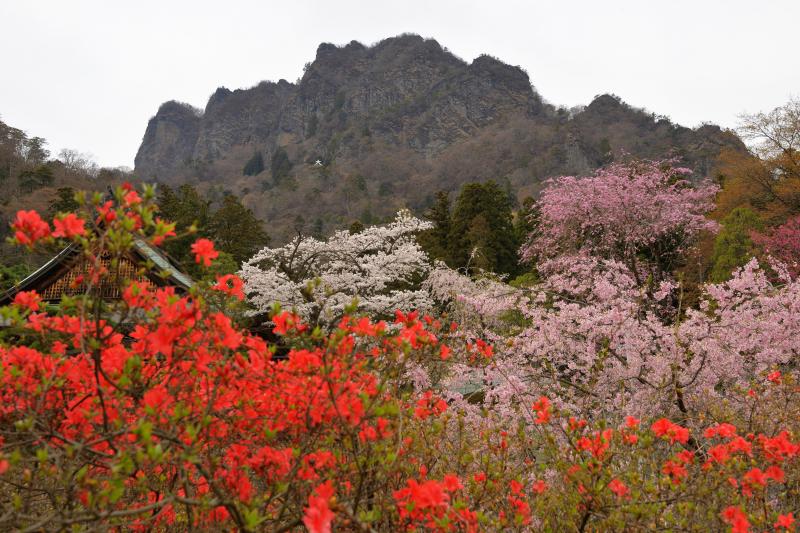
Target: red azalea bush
(158, 412)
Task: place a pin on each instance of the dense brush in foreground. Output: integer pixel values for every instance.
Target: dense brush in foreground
(159, 412)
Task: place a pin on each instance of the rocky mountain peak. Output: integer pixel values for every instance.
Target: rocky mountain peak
(513, 77)
(402, 118)
(604, 102)
(218, 97)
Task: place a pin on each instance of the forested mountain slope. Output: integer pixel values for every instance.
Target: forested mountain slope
(390, 125)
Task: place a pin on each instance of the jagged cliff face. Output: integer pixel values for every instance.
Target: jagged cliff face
(169, 140)
(405, 90)
(392, 124)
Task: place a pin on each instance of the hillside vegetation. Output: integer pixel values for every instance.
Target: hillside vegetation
(392, 124)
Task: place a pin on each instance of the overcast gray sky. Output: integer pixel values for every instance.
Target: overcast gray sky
(89, 74)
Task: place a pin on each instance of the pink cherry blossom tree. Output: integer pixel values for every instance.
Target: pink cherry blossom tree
(643, 215)
(604, 330)
(607, 353)
(783, 243)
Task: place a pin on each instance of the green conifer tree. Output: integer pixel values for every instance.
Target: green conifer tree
(236, 230)
(733, 246)
(435, 240)
(186, 208)
(493, 238)
(64, 202)
(356, 227)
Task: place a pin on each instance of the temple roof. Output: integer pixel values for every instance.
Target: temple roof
(57, 277)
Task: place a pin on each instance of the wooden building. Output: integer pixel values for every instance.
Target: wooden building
(57, 277)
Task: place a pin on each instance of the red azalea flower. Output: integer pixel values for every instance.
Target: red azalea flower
(451, 483)
(425, 495)
(779, 448)
(755, 477)
(619, 488)
(685, 457)
(785, 521)
(675, 470)
(318, 515)
(736, 518)
(285, 322)
(543, 410)
(429, 405)
(163, 230)
(630, 438)
(106, 212)
(28, 300)
(69, 226)
(632, 422)
(29, 228)
(132, 198)
(596, 445)
(738, 444)
(719, 454)
(723, 430)
(203, 250)
(230, 284)
(575, 424)
(775, 473)
(444, 352)
(674, 432)
(539, 486)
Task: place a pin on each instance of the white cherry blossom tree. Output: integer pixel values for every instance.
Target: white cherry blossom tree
(380, 268)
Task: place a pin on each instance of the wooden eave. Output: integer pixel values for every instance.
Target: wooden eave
(67, 259)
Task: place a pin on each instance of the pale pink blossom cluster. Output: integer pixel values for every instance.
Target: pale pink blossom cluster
(610, 354)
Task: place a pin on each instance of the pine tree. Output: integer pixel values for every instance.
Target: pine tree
(526, 220)
(236, 230)
(12, 274)
(526, 224)
(64, 202)
(317, 229)
(493, 238)
(435, 241)
(733, 246)
(481, 239)
(186, 209)
(41, 176)
(355, 227)
(35, 151)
